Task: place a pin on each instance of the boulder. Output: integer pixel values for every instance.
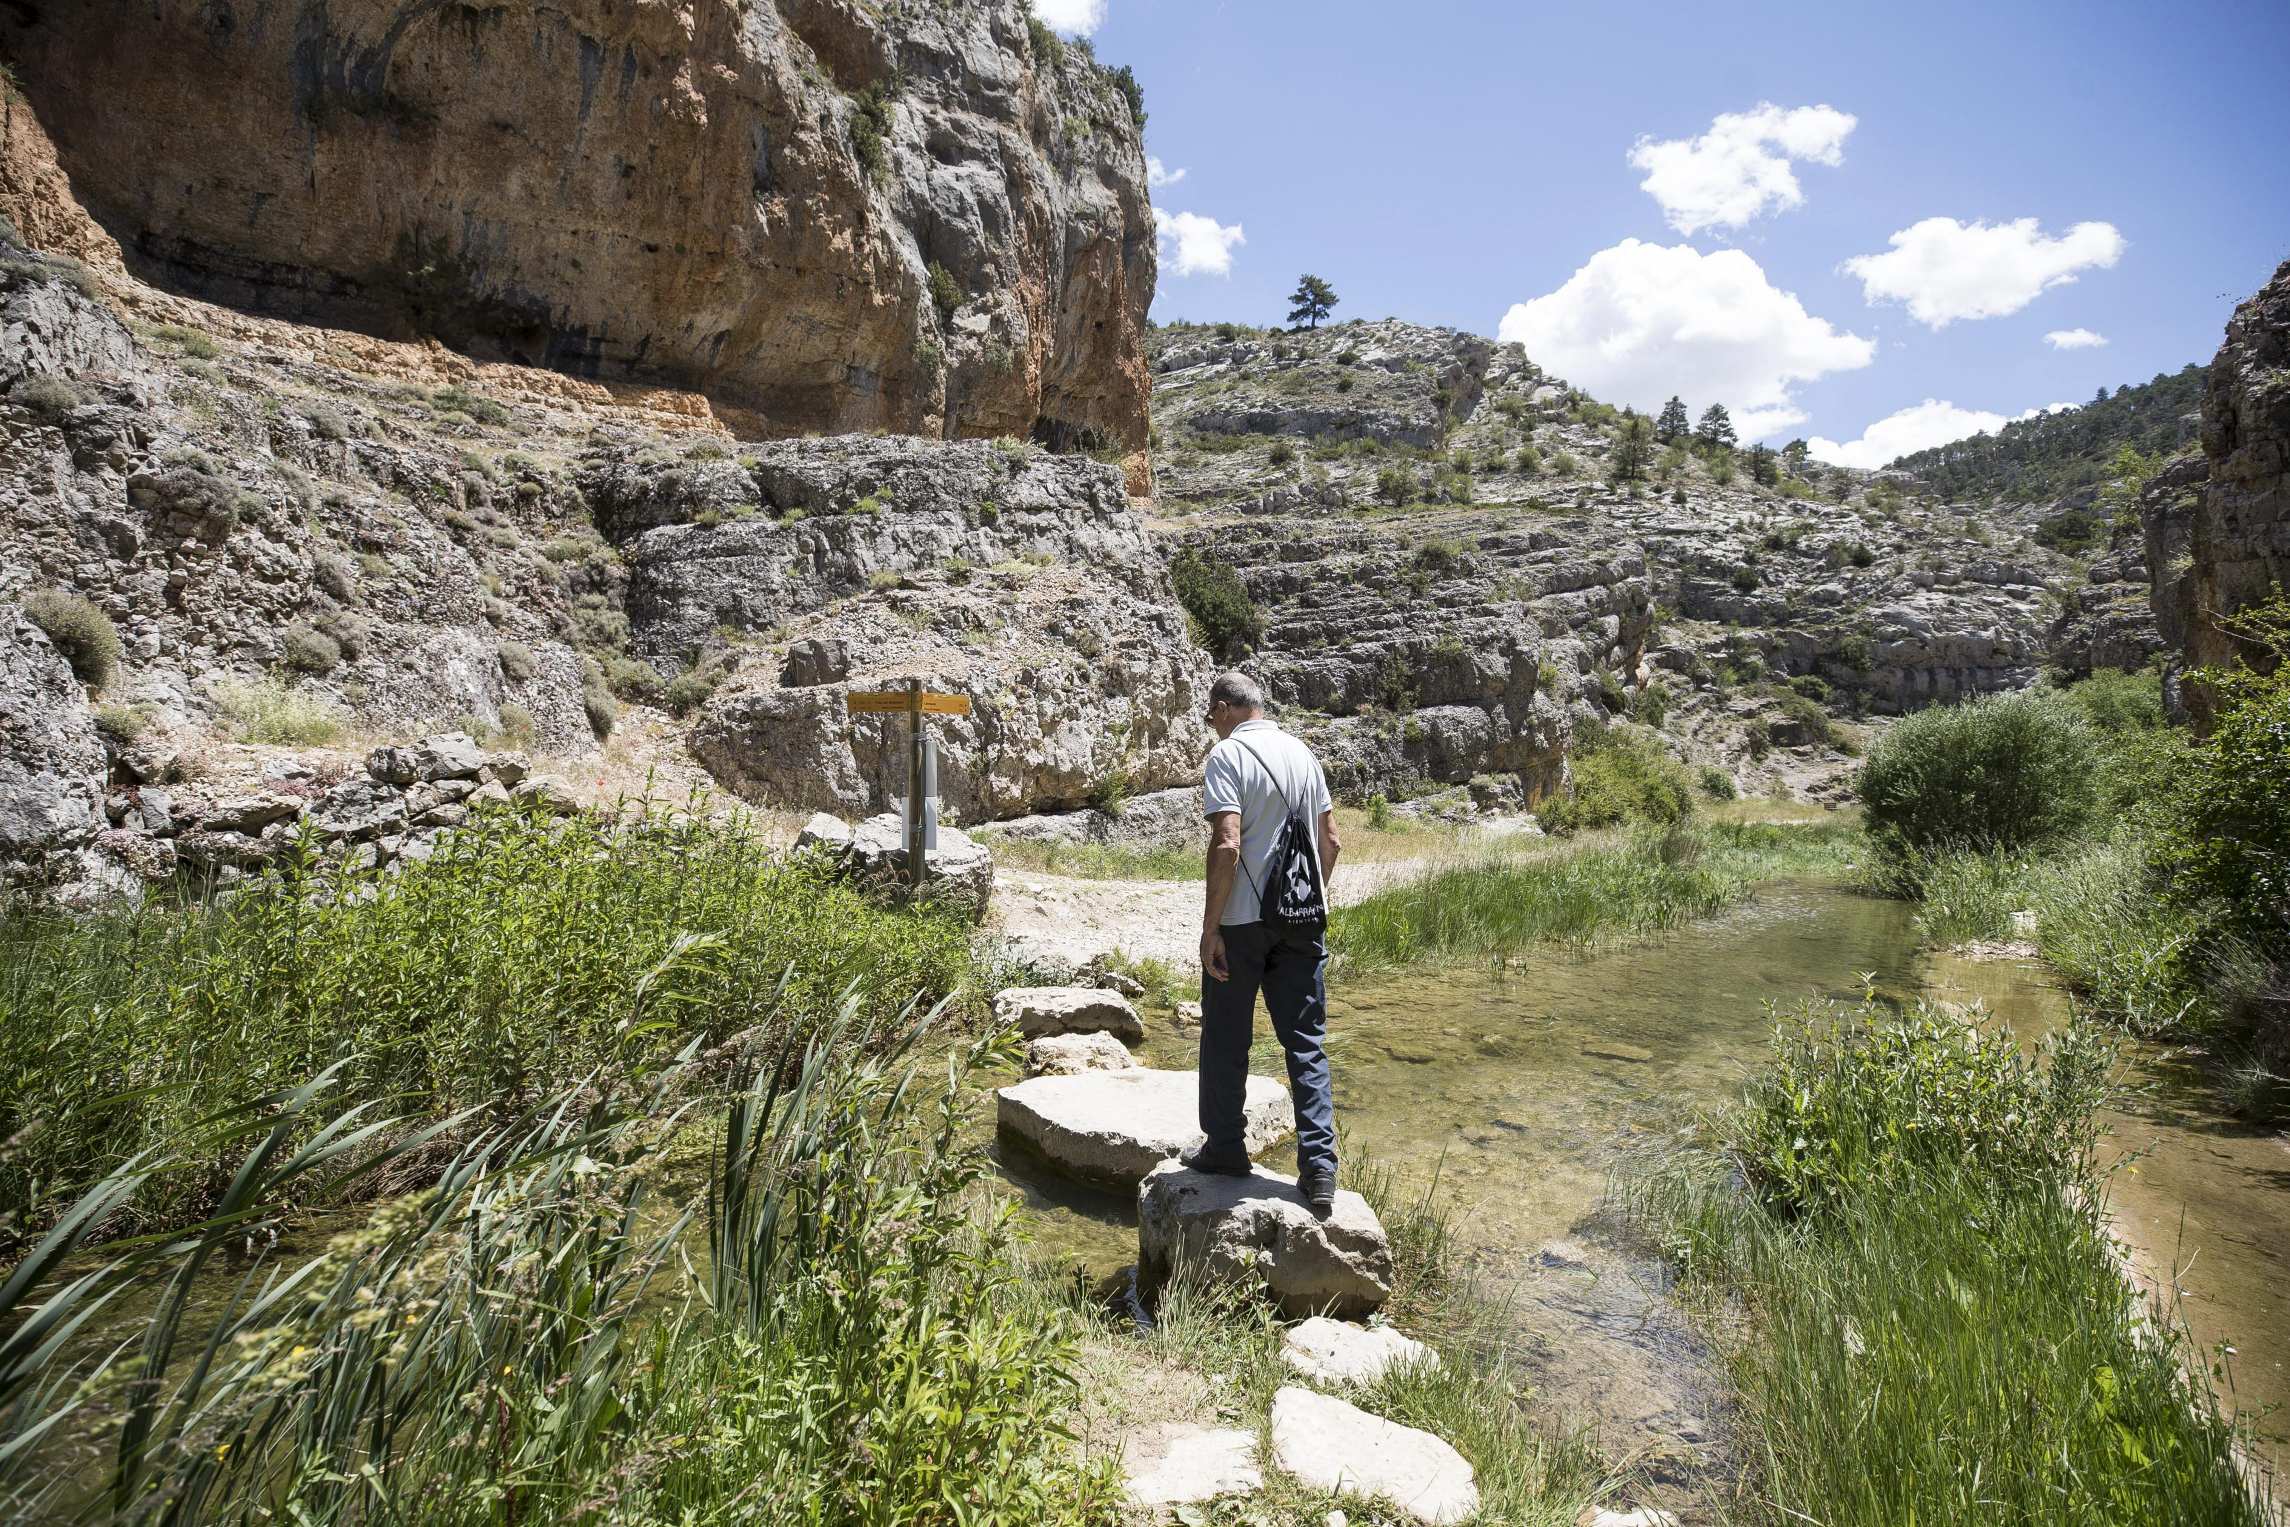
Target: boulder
(1043, 1010)
(1180, 1463)
(1072, 1054)
(1257, 1231)
(455, 755)
(508, 770)
(1113, 1127)
(358, 808)
(1333, 1445)
(825, 830)
(1338, 1352)
(248, 813)
(547, 793)
(961, 871)
(393, 766)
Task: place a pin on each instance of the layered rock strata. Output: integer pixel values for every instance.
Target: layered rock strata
(830, 215)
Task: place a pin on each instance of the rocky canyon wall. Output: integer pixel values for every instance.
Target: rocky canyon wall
(830, 215)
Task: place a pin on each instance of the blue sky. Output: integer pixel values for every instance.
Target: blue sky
(1454, 160)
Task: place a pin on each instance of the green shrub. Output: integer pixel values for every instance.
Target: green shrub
(195, 343)
(308, 650)
(1282, 453)
(266, 710)
(2008, 772)
(84, 635)
(634, 680)
(1218, 602)
(2226, 837)
(517, 662)
(1622, 775)
(50, 397)
(945, 292)
(1969, 897)
(123, 724)
(870, 131)
(1717, 784)
(460, 400)
(1858, 1101)
(687, 692)
(596, 700)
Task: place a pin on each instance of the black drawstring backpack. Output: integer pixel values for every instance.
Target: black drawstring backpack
(1292, 895)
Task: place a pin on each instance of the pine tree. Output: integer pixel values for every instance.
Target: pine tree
(1311, 301)
(1763, 467)
(1794, 455)
(1715, 432)
(1673, 425)
(1633, 446)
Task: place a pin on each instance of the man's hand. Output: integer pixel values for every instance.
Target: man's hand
(1213, 955)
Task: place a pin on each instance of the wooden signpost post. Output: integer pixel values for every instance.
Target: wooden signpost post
(921, 777)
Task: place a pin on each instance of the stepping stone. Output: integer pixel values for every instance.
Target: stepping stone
(1333, 1445)
(1072, 1054)
(1337, 1352)
(1257, 1232)
(1040, 1010)
(1179, 1464)
(1112, 1127)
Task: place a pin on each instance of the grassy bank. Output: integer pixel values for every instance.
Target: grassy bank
(2149, 868)
(526, 954)
(1898, 1243)
(1600, 886)
(1371, 835)
(825, 1332)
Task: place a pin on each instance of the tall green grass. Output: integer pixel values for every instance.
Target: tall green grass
(526, 953)
(531, 1340)
(1653, 880)
(1902, 1244)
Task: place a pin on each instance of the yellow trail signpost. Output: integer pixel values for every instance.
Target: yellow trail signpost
(914, 702)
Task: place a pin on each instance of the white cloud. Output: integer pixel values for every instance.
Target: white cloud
(1945, 270)
(1200, 245)
(1739, 169)
(1927, 424)
(1159, 174)
(1075, 18)
(1640, 322)
(2074, 339)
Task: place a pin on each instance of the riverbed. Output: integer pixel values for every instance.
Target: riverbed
(1522, 1092)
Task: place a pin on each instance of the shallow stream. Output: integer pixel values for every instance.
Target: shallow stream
(1524, 1091)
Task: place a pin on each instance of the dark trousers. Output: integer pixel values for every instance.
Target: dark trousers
(1289, 966)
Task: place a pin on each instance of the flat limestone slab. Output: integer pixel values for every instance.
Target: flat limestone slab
(1337, 1352)
(1179, 1463)
(1112, 1127)
(1333, 1445)
(1043, 1010)
(1257, 1232)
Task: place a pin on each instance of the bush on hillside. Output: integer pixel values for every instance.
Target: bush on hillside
(2002, 772)
(1224, 615)
(82, 633)
(1626, 775)
(2226, 834)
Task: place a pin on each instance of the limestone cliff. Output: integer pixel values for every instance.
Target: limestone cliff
(2225, 545)
(749, 200)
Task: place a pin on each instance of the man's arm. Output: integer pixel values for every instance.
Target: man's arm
(1224, 868)
(1330, 847)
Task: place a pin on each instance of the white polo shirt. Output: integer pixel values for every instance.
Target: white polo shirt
(1236, 781)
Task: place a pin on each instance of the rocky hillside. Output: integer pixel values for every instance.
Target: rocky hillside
(2220, 541)
(2060, 457)
(1432, 533)
(823, 214)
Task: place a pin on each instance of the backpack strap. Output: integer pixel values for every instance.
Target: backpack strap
(1277, 788)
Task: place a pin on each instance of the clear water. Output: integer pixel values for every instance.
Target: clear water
(1523, 1092)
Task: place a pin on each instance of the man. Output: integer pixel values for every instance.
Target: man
(1257, 778)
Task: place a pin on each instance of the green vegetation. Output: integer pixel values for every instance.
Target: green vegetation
(1672, 427)
(51, 397)
(1655, 879)
(1223, 614)
(2047, 457)
(1633, 448)
(945, 292)
(84, 635)
(2006, 772)
(1312, 301)
(310, 650)
(525, 955)
(1622, 775)
(1902, 1245)
(2155, 869)
(1097, 861)
(870, 131)
(827, 1330)
(1715, 432)
(1132, 93)
(269, 710)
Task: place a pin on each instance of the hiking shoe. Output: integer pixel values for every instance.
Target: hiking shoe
(1319, 1190)
(1216, 1163)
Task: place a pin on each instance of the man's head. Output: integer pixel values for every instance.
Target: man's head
(1233, 698)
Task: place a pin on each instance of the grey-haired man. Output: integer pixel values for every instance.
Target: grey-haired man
(1258, 777)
